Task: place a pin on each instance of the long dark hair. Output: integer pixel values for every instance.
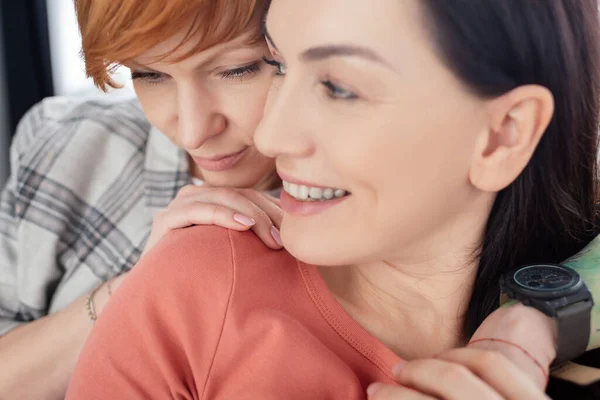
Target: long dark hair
(494, 46)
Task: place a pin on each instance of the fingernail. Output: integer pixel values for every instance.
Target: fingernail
(242, 219)
(398, 368)
(276, 236)
(373, 388)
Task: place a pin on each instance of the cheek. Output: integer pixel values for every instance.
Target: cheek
(406, 175)
(246, 105)
(159, 105)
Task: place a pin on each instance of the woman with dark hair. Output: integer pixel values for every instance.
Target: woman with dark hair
(424, 152)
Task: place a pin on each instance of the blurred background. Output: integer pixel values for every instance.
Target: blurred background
(39, 57)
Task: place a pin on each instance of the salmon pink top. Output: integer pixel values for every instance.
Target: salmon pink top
(214, 314)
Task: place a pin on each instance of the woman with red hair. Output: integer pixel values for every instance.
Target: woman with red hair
(94, 185)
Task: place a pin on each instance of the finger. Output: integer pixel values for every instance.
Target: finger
(273, 199)
(188, 190)
(253, 204)
(498, 371)
(443, 379)
(241, 204)
(203, 214)
(195, 214)
(269, 204)
(380, 391)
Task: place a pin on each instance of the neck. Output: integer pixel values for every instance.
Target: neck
(416, 308)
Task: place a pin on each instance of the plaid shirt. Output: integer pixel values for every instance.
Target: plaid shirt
(87, 178)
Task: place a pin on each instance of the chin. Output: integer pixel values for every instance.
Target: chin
(231, 178)
(314, 247)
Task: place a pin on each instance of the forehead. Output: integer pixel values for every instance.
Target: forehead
(386, 26)
(188, 49)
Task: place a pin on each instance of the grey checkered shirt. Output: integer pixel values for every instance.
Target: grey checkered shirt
(86, 180)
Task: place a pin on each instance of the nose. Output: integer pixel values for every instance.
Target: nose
(286, 127)
(199, 117)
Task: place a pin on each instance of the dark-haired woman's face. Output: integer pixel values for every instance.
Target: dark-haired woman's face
(374, 136)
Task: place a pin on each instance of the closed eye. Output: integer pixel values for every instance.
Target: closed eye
(148, 77)
(241, 72)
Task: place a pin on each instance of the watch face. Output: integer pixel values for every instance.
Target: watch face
(545, 278)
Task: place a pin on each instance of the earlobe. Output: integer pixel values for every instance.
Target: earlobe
(517, 122)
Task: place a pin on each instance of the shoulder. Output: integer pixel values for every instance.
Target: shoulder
(209, 257)
(190, 259)
(62, 118)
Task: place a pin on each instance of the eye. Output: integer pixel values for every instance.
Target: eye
(241, 72)
(152, 78)
(280, 69)
(337, 92)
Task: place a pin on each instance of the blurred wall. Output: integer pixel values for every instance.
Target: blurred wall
(68, 70)
(4, 125)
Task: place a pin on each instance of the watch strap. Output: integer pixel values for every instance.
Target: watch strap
(573, 331)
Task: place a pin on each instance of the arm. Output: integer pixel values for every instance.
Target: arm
(158, 336)
(36, 358)
(535, 332)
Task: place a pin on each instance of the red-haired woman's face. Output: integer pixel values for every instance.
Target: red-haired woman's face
(209, 105)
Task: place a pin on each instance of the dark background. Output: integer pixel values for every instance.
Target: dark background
(27, 64)
(26, 69)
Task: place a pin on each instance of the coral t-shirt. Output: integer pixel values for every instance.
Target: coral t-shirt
(214, 314)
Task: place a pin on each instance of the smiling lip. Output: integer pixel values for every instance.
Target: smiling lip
(292, 206)
(221, 162)
(291, 179)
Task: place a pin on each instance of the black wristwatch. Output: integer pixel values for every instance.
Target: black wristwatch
(560, 293)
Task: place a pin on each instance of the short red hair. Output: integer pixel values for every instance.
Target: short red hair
(114, 32)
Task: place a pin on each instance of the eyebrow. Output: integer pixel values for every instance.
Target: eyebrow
(228, 49)
(323, 52)
(328, 51)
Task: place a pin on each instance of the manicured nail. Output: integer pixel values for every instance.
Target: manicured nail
(373, 388)
(398, 368)
(276, 235)
(242, 219)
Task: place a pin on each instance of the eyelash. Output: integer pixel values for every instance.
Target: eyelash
(334, 92)
(241, 72)
(154, 78)
(337, 93)
(280, 69)
(151, 78)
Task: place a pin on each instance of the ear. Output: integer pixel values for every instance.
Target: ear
(515, 124)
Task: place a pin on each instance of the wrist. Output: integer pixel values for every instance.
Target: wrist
(527, 327)
(518, 355)
(560, 292)
(524, 335)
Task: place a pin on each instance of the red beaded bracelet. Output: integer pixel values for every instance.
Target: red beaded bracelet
(528, 354)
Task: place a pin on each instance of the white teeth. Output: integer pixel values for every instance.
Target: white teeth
(315, 193)
(305, 193)
(302, 192)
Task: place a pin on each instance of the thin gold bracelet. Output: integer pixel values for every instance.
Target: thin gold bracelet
(89, 305)
(109, 285)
